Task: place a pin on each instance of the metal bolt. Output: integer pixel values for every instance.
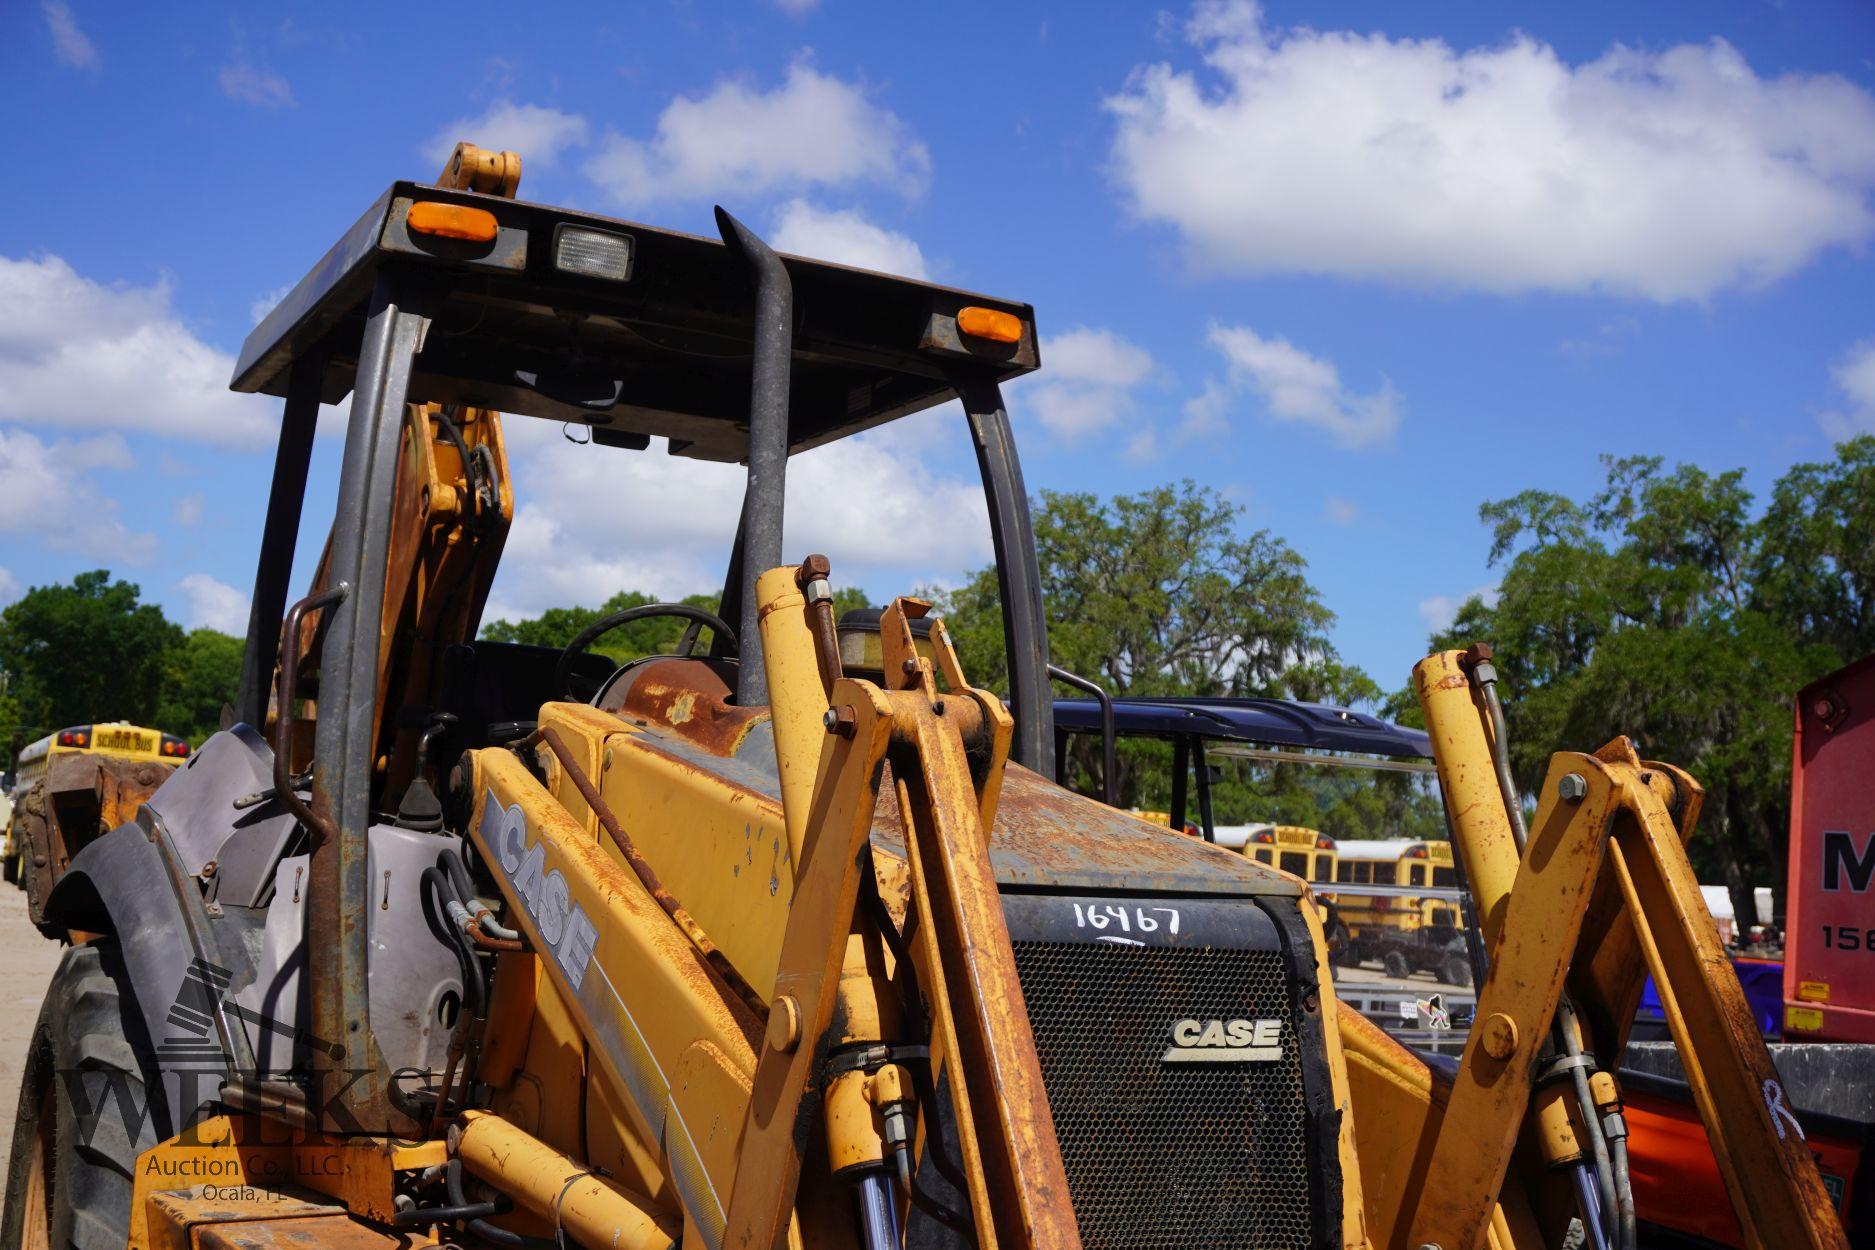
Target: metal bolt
(1499, 1036)
(831, 719)
(1573, 788)
(784, 1025)
(910, 666)
(840, 720)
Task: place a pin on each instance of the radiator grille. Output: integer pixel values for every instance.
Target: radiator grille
(1173, 1155)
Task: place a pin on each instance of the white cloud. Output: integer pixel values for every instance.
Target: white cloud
(1341, 511)
(737, 141)
(45, 490)
(1295, 386)
(1854, 376)
(249, 84)
(1207, 414)
(69, 43)
(78, 355)
(214, 604)
(1439, 611)
(538, 133)
(1666, 176)
(189, 510)
(1087, 382)
(855, 501)
(1143, 447)
(844, 236)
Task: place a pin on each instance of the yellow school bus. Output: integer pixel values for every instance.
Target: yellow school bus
(1387, 921)
(1306, 853)
(125, 751)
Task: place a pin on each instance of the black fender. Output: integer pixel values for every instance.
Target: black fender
(130, 884)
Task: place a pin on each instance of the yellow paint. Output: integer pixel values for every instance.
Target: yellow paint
(557, 1188)
(1461, 748)
(643, 984)
(797, 701)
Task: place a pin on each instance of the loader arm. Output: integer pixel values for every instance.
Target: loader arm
(729, 1080)
(1602, 877)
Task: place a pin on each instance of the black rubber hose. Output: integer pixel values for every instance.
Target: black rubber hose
(454, 436)
(452, 1177)
(458, 873)
(470, 968)
(1624, 1193)
(447, 1215)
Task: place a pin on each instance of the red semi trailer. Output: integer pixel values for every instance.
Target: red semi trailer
(1825, 1059)
(1829, 941)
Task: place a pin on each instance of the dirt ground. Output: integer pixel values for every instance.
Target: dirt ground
(26, 964)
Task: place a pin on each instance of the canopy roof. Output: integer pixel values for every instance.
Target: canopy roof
(664, 351)
(1269, 722)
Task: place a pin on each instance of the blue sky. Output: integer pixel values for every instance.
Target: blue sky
(1361, 266)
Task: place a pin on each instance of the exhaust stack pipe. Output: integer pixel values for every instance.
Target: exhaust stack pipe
(758, 537)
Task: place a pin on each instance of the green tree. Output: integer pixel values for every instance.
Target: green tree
(1662, 609)
(1162, 593)
(1815, 564)
(86, 652)
(660, 635)
(204, 672)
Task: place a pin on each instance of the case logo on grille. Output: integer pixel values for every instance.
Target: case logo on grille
(1225, 1041)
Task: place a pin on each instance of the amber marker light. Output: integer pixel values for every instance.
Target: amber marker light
(453, 221)
(988, 323)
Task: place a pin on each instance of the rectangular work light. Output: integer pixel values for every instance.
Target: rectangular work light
(593, 253)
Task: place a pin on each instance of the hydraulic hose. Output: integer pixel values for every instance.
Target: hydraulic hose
(435, 879)
(458, 875)
(1626, 1223)
(482, 1228)
(477, 922)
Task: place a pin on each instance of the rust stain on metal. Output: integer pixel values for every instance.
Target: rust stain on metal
(718, 961)
(1044, 833)
(978, 1003)
(78, 798)
(691, 698)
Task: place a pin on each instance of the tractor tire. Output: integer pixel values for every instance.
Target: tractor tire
(69, 1178)
(1456, 970)
(1395, 964)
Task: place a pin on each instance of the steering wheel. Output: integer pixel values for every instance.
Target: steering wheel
(625, 616)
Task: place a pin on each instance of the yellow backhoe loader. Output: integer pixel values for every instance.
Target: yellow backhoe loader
(749, 946)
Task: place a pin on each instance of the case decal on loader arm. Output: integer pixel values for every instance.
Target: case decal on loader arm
(556, 874)
(543, 892)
